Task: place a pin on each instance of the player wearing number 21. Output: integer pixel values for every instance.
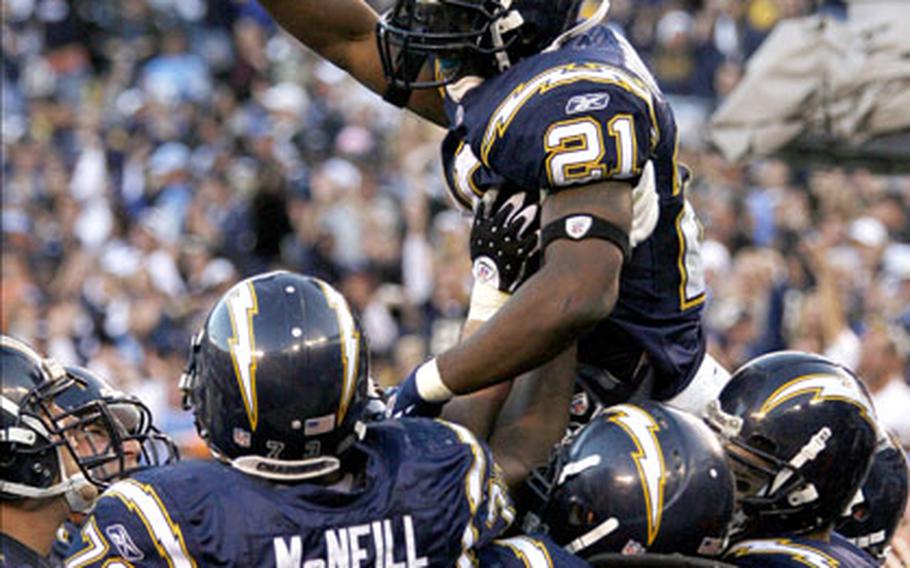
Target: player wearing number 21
(554, 107)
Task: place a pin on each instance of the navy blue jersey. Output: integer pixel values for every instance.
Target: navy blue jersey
(798, 553)
(14, 554)
(63, 541)
(538, 551)
(587, 112)
(431, 496)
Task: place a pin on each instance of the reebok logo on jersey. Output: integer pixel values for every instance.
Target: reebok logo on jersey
(587, 102)
(118, 535)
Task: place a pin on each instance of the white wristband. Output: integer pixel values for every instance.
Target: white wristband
(429, 383)
(485, 301)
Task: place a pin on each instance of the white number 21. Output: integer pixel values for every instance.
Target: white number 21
(576, 150)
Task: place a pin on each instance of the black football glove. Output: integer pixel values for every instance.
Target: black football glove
(505, 242)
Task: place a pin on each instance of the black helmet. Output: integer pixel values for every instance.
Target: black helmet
(800, 432)
(34, 430)
(875, 512)
(478, 37)
(136, 444)
(277, 377)
(640, 478)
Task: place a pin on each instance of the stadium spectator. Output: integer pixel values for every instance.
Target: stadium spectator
(72, 300)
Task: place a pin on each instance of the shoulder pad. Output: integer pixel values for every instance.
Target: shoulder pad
(572, 124)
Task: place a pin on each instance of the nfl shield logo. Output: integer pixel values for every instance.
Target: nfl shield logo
(580, 404)
(578, 226)
(633, 548)
(485, 271)
(242, 438)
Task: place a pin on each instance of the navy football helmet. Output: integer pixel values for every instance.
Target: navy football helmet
(96, 409)
(278, 377)
(875, 512)
(639, 478)
(800, 432)
(36, 435)
(472, 37)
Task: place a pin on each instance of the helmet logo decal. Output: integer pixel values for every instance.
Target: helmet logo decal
(242, 306)
(649, 459)
(801, 553)
(350, 352)
(822, 387)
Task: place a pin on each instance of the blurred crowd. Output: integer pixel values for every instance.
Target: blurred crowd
(155, 151)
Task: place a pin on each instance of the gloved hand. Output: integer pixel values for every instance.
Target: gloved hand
(405, 400)
(505, 241)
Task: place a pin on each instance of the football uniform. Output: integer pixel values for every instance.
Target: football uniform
(538, 551)
(63, 540)
(798, 553)
(14, 554)
(431, 496)
(587, 112)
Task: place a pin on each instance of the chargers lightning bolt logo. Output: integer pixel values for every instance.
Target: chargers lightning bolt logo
(799, 552)
(822, 387)
(649, 458)
(242, 306)
(350, 339)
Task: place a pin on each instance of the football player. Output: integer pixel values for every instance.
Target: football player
(278, 382)
(563, 112)
(101, 409)
(799, 432)
(45, 465)
(876, 511)
(637, 479)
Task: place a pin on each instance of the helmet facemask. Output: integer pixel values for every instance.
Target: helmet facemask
(115, 438)
(39, 450)
(461, 37)
(472, 37)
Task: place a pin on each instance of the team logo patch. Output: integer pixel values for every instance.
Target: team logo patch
(120, 538)
(578, 226)
(587, 102)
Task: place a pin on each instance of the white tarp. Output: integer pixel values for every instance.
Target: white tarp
(847, 80)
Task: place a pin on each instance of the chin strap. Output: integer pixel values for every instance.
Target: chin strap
(78, 492)
(581, 27)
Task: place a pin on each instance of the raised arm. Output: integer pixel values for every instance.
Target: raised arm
(344, 32)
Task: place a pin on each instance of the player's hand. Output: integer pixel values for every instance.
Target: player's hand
(405, 401)
(505, 242)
